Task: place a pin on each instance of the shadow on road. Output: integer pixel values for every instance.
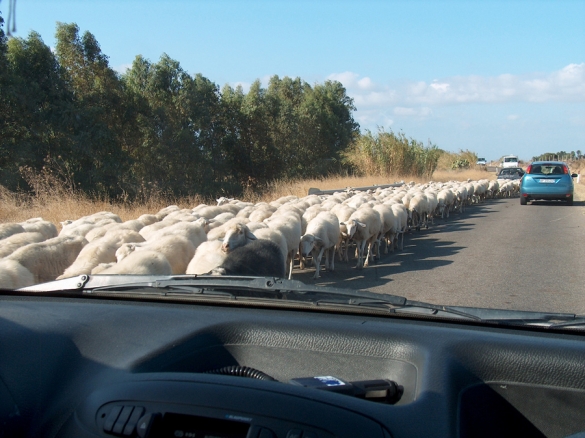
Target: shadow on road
(422, 251)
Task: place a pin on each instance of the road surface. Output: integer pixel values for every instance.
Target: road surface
(498, 254)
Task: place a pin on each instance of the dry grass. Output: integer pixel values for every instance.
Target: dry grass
(17, 208)
(580, 190)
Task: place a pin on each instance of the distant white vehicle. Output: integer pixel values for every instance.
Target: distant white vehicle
(510, 161)
(481, 162)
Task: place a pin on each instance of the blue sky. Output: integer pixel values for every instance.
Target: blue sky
(494, 77)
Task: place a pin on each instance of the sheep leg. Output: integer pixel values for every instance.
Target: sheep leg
(332, 251)
(317, 260)
(360, 251)
(369, 255)
(291, 259)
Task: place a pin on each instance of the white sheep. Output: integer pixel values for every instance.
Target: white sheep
(211, 253)
(102, 217)
(39, 225)
(290, 227)
(223, 200)
(149, 230)
(184, 215)
(310, 213)
(12, 243)
(209, 212)
(147, 219)
(254, 226)
(237, 235)
(261, 213)
(401, 216)
(139, 263)
(419, 209)
(220, 220)
(461, 196)
(322, 236)
(245, 212)
(178, 250)
(8, 229)
(433, 204)
(14, 276)
(164, 212)
(85, 226)
(208, 256)
(49, 259)
(368, 225)
(446, 199)
(346, 229)
(388, 230)
(96, 233)
(219, 232)
(193, 231)
(102, 250)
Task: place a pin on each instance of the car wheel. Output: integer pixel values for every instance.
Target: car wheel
(523, 200)
(570, 200)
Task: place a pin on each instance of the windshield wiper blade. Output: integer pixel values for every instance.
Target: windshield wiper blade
(258, 287)
(269, 288)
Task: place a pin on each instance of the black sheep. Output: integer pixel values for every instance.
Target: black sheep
(258, 258)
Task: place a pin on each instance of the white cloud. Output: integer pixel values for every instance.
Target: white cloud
(442, 88)
(348, 79)
(352, 80)
(413, 112)
(365, 83)
(565, 85)
(513, 117)
(122, 68)
(245, 86)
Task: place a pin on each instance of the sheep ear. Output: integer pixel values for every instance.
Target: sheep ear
(249, 234)
(318, 239)
(361, 224)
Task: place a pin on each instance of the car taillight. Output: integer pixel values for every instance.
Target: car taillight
(565, 169)
(529, 168)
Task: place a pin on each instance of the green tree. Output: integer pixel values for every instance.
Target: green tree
(99, 117)
(177, 117)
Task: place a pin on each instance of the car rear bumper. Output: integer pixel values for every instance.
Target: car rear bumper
(546, 196)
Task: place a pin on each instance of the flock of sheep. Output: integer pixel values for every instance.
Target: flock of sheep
(235, 237)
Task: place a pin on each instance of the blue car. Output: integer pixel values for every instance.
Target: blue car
(548, 180)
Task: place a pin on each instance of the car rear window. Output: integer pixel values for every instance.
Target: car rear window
(547, 169)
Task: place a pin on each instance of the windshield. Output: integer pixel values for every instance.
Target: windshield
(332, 143)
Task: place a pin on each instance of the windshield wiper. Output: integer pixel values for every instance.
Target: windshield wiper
(284, 290)
(237, 287)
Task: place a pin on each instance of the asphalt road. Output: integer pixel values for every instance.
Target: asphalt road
(498, 254)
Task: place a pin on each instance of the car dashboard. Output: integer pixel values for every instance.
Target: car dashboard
(83, 367)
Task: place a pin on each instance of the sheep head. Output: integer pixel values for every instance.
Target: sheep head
(124, 251)
(308, 242)
(237, 235)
